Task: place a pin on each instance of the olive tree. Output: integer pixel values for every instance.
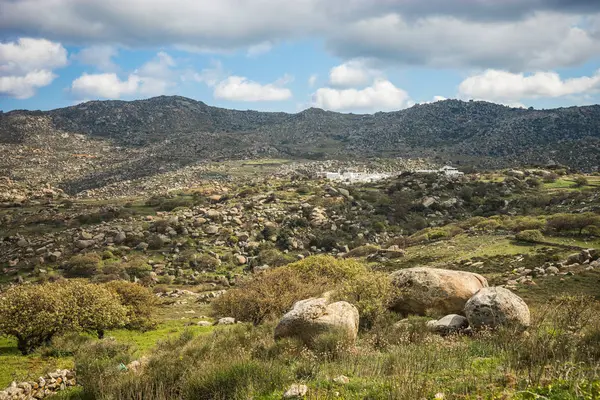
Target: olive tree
(138, 300)
(95, 307)
(33, 314)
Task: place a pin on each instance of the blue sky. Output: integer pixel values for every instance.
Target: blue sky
(348, 56)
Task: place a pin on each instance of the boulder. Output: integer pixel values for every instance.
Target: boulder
(495, 306)
(434, 291)
(309, 318)
(226, 321)
(451, 323)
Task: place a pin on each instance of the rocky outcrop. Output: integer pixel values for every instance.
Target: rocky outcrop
(313, 317)
(496, 306)
(434, 291)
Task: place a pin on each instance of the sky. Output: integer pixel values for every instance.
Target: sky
(360, 56)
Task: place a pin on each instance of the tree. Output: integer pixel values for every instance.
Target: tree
(138, 300)
(33, 314)
(94, 307)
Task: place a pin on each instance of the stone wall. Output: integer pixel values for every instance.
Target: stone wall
(45, 386)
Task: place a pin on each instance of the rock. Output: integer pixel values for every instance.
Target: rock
(451, 323)
(23, 243)
(428, 202)
(84, 244)
(341, 380)
(552, 270)
(295, 391)
(204, 323)
(241, 260)
(344, 192)
(430, 290)
(495, 306)
(212, 229)
(226, 321)
(120, 238)
(574, 259)
(309, 318)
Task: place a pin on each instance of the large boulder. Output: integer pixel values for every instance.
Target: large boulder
(434, 291)
(312, 317)
(495, 306)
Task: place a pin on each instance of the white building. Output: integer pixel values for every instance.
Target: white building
(445, 170)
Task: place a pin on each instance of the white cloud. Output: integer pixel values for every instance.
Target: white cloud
(107, 85)
(258, 49)
(552, 40)
(23, 87)
(27, 64)
(210, 76)
(154, 78)
(352, 73)
(382, 95)
(509, 88)
(514, 35)
(99, 56)
(312, 80)
(239, 88)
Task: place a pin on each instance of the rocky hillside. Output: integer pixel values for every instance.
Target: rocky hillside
(103, 141)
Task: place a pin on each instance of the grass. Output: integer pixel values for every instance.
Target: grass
(16, 367)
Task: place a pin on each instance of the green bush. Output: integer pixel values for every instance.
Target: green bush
(92, 307)
(274, 258)
(531, 236)
(138, 300)
(272, 293)
(82, 265)
(33, 314)
(572, 222)
(371, 293)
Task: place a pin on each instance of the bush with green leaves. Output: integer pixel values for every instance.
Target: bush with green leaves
(92, 307)
(83, 265)
(139, 302)
(572, 222)
(33, 314)
(272, 293)
(530, 236)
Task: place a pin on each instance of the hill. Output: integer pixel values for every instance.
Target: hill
(141, 138)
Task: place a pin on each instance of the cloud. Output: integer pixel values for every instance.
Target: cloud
(239, 88)
(351, 73)
(312, 80)
(509, 88)
(209, 76)
(382, 95)
(23, 87)
(99, 56)
(154, 78)
(511, 34)
(107, 86)
(553, 40)
(258, 49)
(27, 64)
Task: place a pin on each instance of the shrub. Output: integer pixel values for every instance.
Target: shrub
(363, 251)
(274, 258)
(581, 181)
(200, 261)
(273, 292)
(371, 293)
(531, 236)
(139, 302)
(82, 265)
(525, 223)
(32, 314)
(97, 367)
(568, 222)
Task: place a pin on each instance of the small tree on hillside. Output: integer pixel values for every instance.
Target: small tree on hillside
(139, 302)
(94, 307)
(581, 181)
(33, 314)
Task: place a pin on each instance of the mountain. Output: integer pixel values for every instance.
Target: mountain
(143, 137)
